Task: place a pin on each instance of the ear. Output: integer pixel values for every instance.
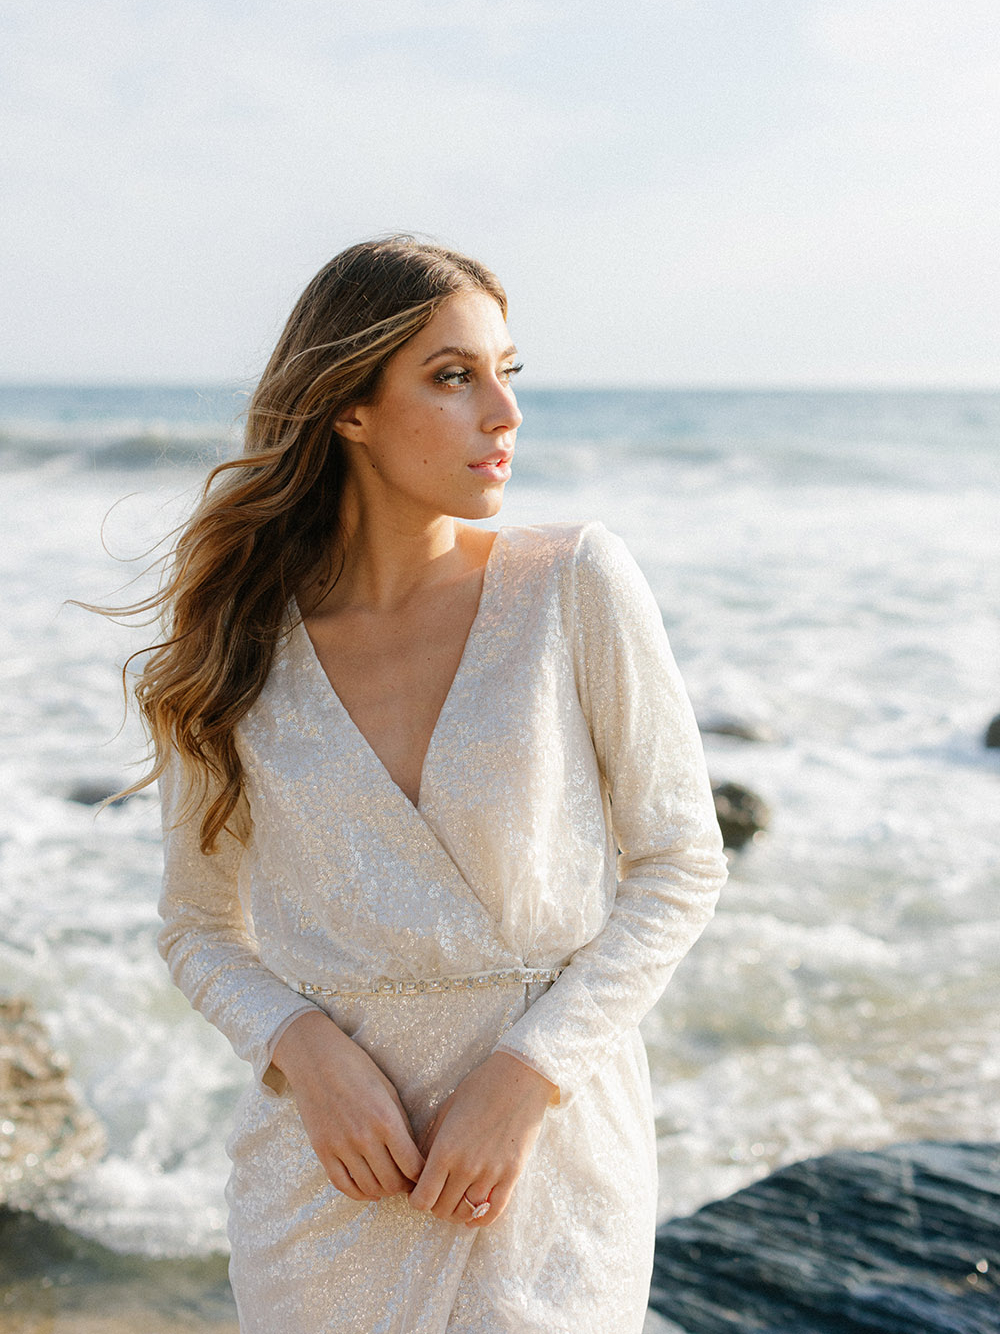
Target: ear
(350, 423)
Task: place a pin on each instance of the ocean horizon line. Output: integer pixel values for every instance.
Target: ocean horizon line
(749, 387)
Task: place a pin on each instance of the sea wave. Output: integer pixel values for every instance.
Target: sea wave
(130, 447)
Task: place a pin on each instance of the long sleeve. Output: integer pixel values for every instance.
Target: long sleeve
(671, 863)
(211, 954)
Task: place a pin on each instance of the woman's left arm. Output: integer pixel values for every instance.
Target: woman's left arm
(671, 864)
(671, 868)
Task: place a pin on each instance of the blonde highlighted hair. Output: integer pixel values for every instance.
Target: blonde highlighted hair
(269, 520)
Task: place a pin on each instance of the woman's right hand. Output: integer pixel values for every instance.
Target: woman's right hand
(350, 1110)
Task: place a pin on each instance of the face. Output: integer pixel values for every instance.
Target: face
(439, 436)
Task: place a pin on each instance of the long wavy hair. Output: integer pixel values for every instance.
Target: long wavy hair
(269, 520)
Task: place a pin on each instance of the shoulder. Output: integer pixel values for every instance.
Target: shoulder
(588, 569)
(586, 553)
(566, 545)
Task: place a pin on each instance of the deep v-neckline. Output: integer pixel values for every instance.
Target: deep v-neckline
(490, 578)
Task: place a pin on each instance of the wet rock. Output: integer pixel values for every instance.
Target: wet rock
(741, 813)
(902, 1241)
(92, 791)
(742, 730)
(46, 1134)
(655, 1323)
(992, 737)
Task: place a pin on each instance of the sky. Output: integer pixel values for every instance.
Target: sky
(764, 193)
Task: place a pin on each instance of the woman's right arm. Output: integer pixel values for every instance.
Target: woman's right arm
(212, 956)
(350, 1111)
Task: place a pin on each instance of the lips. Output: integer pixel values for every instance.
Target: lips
(498, 460)
(495, 467)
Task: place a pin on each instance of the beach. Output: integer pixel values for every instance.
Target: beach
(52, 1279)
(826, 565)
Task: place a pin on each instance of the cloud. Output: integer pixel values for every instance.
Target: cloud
(690, 191)
(908, 37)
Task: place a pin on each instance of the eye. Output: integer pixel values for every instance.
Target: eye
(507, 373)
(453, 376)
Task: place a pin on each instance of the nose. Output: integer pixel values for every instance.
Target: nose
(502, 412)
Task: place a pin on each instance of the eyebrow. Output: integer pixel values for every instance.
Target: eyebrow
(465, 354)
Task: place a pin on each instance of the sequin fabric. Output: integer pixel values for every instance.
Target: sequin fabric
(564, 821)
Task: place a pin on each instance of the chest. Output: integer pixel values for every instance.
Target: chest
(509, 758)
(509, 785)
(393, 673)
(511, 823)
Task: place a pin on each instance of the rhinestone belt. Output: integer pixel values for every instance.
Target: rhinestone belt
(391, 986)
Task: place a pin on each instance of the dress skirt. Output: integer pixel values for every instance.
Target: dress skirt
(308, 1260)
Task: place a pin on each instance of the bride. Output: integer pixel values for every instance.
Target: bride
(437, 832)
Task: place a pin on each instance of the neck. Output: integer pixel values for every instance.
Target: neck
(388, 555)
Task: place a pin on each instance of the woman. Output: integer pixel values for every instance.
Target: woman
(399, 756)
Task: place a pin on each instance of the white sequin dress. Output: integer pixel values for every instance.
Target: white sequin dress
(565, 737)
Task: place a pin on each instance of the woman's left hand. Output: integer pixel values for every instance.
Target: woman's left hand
(480, 1139)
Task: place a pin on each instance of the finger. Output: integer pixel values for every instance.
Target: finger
(449, 1203)
(405, 1154)
(477, 1194)
(344, 1182)
(429, 1185)
(499, 1197)
(386, 1173)
(364, 1178)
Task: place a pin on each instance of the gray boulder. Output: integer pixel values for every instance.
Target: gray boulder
(92, 791)
(741, 729)
(741, 813)
(902, 1241)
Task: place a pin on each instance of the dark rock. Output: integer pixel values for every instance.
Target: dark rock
(992, 737)
(92, 791)
(45, 1133)
(902, 1241)
(655, 1323)
(743, 731)
(741, 813)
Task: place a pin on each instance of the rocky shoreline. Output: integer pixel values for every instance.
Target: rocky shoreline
(46, 1133)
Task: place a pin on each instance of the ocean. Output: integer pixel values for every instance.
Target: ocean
(827, 568)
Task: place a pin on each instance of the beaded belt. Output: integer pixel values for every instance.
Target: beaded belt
(390, 986)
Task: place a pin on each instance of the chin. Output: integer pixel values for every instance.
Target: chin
(482, 507)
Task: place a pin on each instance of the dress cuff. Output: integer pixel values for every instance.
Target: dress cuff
(270, 1080)
(558, 1099)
